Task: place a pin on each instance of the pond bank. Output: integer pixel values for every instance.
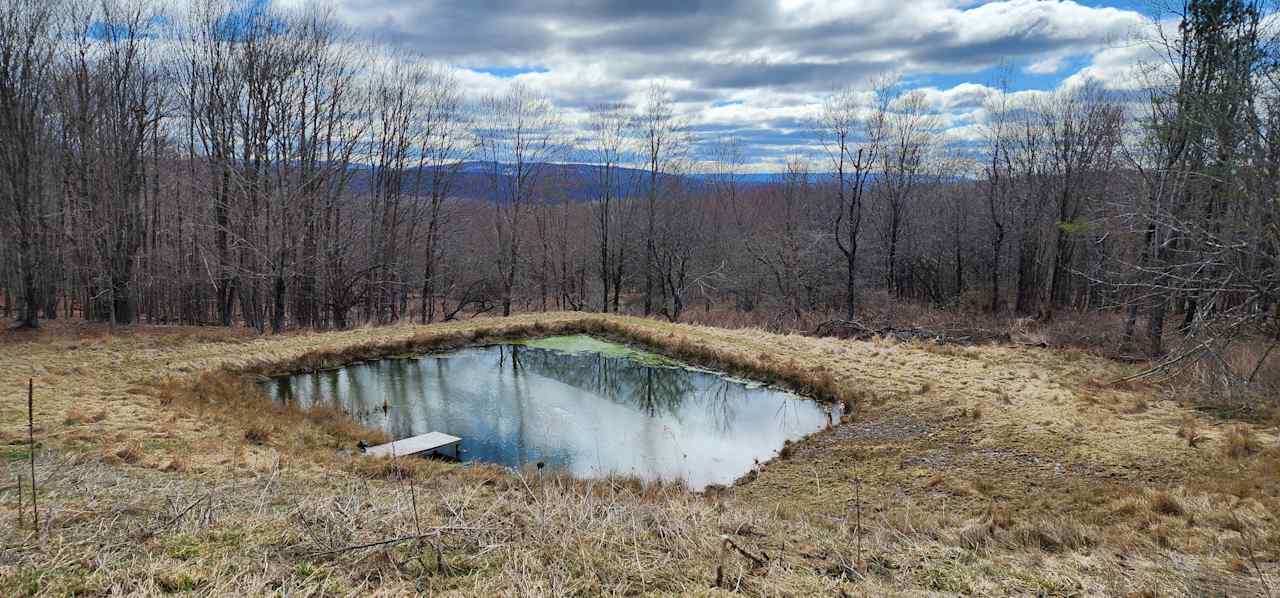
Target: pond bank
(988, 470)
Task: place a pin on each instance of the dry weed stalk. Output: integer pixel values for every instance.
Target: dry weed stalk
(727, 544)
(22, 512)
(857, 500)
(31, 450)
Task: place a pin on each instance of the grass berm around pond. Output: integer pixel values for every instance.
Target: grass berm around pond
(978, 470)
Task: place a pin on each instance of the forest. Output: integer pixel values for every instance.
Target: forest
(225, 164)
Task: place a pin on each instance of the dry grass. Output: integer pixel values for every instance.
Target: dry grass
(167, 471)
(1239, 442)
(257, 433)
(1189, 430)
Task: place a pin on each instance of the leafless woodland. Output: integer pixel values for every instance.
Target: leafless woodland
(226, 166)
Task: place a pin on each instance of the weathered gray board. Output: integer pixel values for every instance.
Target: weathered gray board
(414, 445)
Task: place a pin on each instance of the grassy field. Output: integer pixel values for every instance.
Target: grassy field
(980, 470)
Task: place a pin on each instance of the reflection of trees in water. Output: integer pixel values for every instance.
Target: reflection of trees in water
(621, 380)
(654, 391)
(308, 390)
(509, 355)
(394, 373)
(282, 390)
(720, 404)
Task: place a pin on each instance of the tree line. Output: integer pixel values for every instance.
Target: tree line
(229, 163)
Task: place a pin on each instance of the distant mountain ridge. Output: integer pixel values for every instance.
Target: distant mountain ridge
(573, 181)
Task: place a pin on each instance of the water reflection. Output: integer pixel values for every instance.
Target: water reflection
(588, 413)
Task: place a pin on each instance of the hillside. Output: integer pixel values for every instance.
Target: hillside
(988, 470)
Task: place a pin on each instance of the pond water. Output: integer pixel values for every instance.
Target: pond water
(576, 403)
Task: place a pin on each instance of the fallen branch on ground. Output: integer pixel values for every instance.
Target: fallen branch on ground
(434, 532)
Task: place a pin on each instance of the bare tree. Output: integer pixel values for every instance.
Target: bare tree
(446, 144)
(1082, 128)
(28, 40)
(997, 175)
(608, 134)
(1208, 170)
(852, 141)
(663, 143)
(112, 99)
(909, 132)
(517, 134)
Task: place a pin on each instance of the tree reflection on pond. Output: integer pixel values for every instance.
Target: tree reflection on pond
(589, 413)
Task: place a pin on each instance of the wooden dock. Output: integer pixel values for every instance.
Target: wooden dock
(414, 445)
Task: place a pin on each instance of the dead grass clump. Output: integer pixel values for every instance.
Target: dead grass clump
(74, 417)
(1239, 442)
(130, 453)
(983, 487)
(1225, 520)
(1189, 430)
(1126, 509)
(916, 523)
(945, 350)
(955, 487)
(395, 469)
(177, 463)
(981, 533)
(1164, 535)
(975, 536)
(1052, 536)
(1165, 503)
(258, 433)
(346, 431)
(1241, 486)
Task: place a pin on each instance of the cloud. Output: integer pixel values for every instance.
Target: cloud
(756, 67)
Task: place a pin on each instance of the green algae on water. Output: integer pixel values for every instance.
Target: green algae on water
(581, 343)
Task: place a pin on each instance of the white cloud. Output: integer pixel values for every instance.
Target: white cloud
(756, 67)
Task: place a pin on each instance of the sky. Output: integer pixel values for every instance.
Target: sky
(758, 70)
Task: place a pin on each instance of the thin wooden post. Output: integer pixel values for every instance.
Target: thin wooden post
(31, 448)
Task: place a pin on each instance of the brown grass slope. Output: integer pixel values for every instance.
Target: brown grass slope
(983, 470)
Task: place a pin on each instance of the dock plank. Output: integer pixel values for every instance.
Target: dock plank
(413, 445)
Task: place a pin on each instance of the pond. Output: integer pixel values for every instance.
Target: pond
(576, 403)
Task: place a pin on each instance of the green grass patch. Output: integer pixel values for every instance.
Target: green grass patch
(14, 453)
